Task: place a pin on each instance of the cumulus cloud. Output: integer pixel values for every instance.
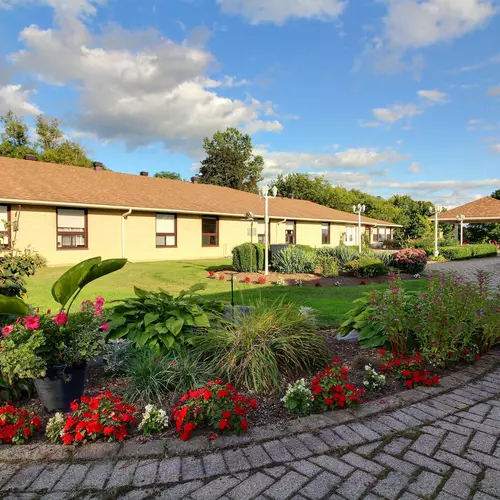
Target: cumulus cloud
(495, 148)
(494, 91)
(279, 11)
(414, 168)
(17, 99)
(136, 86)
(479, 124)
(433, 95)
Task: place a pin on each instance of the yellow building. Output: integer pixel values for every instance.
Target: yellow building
(68, 214)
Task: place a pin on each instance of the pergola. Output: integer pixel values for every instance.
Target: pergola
(483, 211)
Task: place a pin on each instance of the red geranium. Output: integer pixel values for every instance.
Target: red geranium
(17, 426)
(247, 279)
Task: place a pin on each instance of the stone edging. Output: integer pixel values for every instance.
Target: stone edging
(172, 446)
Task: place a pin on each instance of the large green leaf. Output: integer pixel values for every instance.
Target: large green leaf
(66, 286)
(101, 269)
(201, 321)
(12, 306)
(149, 318)
(174, 325)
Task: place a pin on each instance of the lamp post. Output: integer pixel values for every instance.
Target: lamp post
(437, 209)
(264, 193)
(359, 209)
(461, 219)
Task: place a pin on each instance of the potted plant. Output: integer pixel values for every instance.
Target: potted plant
(54, 349)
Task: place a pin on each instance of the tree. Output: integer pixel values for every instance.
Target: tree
(166, 174)
(496, 194)
(230, 161)
(482, 233)
(15, 137)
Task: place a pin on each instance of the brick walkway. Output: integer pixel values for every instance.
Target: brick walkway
(440, 443)
(468, 268)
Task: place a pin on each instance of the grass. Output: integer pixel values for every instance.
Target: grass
(331, 302)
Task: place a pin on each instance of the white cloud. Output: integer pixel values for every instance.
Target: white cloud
(494, 91)
(433, 95)
(279, 11)
(16, 99)
(414, 168)
(137, 86)
(479, 124)
(495, 148)
(369, 124)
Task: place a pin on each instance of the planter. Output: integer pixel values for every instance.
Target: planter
(61, 386)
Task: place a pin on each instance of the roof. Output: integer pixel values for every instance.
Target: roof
(485, 209)
(30, 182)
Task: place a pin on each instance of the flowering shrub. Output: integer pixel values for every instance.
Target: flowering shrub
(261, 280)
(372, 380)
(281, 281)
(247, 279)
(330, 388)
(17, 426)
(218, 405)
(411, 260)
(408, 369)
(222, 277)
(103, 416)
(212, 274)
(298, 397)
(154, 421)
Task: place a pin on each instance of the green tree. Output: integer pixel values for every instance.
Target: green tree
(496, 194)
(166, 174)
(49, 133)
(15, 137)
(414, 217)
(230, 161)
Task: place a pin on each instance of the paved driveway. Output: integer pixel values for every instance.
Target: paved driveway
(468, 268)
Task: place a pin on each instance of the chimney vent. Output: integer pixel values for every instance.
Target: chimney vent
(30, 157)
(97, 166)
(144, 174)
(195, 179)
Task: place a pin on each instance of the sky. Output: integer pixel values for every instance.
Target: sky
(388, 96)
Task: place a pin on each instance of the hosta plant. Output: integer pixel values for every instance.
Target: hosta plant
(298, 398)
(154, 421)
(92, 418)
(17, 426)
(218, 405)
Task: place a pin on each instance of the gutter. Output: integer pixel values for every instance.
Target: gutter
(178, 211)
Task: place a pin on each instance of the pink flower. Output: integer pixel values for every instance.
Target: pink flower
(104, 327)
(60, 319)
(99, 301)
(7, 330)
(32, 322)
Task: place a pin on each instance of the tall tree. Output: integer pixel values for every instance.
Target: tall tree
(167, 174)
(15, 137)
(230, 161)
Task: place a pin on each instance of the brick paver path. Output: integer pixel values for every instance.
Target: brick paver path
(469, 268)
(445, 446)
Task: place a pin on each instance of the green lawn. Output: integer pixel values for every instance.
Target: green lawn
(174, 276)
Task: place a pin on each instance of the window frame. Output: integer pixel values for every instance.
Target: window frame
(328, 235)
(294, 234)
(216, 234)
(166, 234)
(85, 233)
(7, 233)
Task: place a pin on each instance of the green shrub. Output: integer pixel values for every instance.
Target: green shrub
(457, 253)
(345, 254)
(248, 257)
(162, 321)
(292, 259)
(327, 266)
(307, 248)
(386, 257)
(260, 347)
(366, 267)
(484, 250)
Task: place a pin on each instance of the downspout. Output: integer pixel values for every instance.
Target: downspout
(124, 217)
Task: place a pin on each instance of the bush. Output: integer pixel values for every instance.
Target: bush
(162, 321)
(218, 405)
(327, 266)
(484, 250)
(115, 354)
(243, 254)
(15, 267)
(298, 398)
(366, 267)
(386, 257)
(273, 339)
(411, 260)
(345, 254)
(292, 260)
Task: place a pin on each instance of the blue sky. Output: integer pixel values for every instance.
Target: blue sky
(389, 96)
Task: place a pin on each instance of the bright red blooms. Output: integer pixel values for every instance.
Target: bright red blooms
(247, 279)
(17, 426)
(105, 327)
(60, 319)
(222, 277)
(32, 322)
(261, 280)
(7, 330)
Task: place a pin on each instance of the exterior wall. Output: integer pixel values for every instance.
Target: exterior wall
(37, 230)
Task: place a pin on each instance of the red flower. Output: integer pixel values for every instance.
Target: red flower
(222, 277)
(224, 424)
(239, 410)
(435, 380)
(226, 414)
(67, 439)
(105, 327)
(244, 424)
(79, 436)
(108, 430)
(222, 393)
(74, 405)
(406, 373)
(32, 322)
(60, 319)
(328, 401)
(247, 279)
(382, 352)
(7, 330)
(36, 422)
(409, 384)
(27, 431)
(94, 404)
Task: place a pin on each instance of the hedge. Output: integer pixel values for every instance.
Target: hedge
(366, 267)
(241, 257)
(468, 252)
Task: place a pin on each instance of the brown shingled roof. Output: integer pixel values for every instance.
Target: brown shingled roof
(486, 209)
(24, 181)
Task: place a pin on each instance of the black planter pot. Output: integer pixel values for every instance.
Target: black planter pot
(61, 386)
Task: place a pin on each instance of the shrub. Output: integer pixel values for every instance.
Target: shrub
(292, 260)
(327, 266)
(115, 354)
(262, 280)
(17, 390)
(154, 421)
(345, 254)
(386, 257)
(298, 398)
(330, 388)
(262, 345)
(365, 267)
(102, 416)
(411, 260)
(457, 253)
(162, 321)
(218, 405)
(17, 426)
(372, 380)
(246, 254)
(484, 250)
(152, 376)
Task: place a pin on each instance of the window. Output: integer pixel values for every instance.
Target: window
(71, 229)
(4, 226)
(325, 233)
(290, 232)
(210, 231)
(261, 232)
(166, 230)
